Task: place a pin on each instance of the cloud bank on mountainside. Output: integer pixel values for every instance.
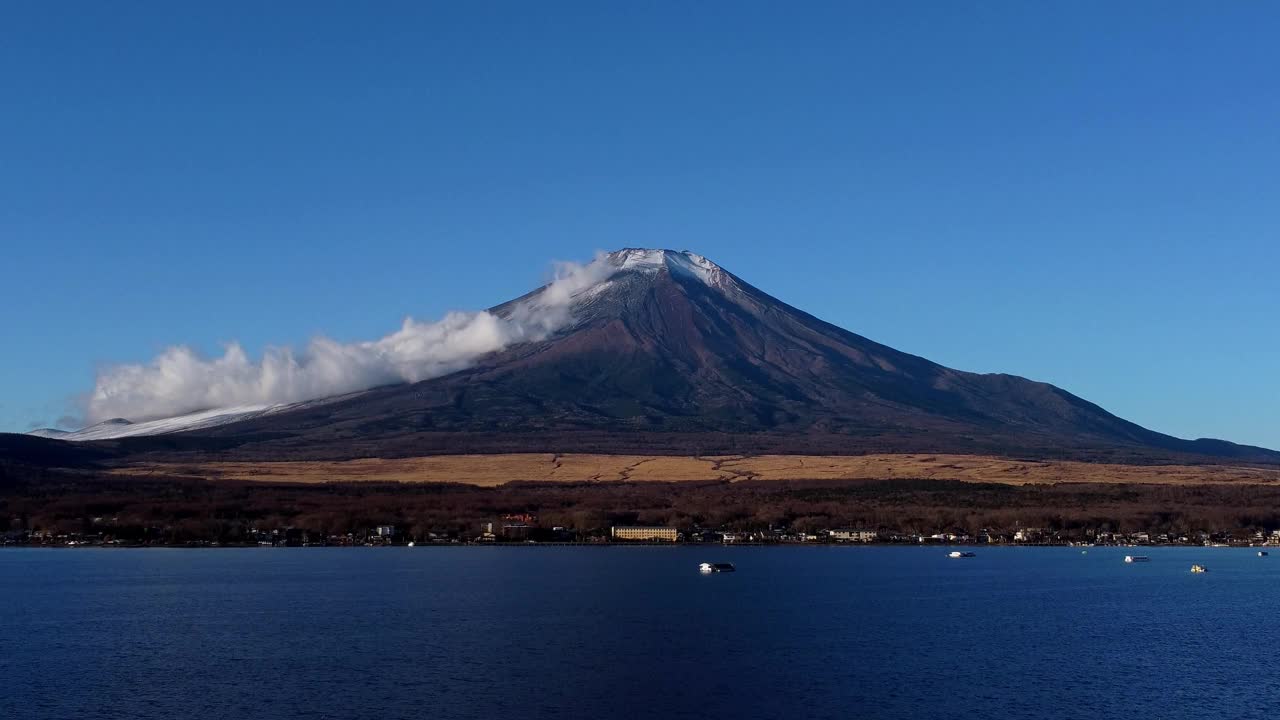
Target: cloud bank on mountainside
(180, 381)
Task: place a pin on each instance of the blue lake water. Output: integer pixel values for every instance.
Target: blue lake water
(559, 632)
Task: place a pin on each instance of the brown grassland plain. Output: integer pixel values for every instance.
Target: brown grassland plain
(497, 469)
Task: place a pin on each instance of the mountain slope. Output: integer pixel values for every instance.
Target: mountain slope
(671, 353)
(121, 428)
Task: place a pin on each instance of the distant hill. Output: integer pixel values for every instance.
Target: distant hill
(49, 452)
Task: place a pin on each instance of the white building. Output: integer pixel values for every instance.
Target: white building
(1028, 535)
(854, 535)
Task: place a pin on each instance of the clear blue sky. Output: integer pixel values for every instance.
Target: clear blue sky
(1083, 193)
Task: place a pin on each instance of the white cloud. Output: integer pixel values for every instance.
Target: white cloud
(180, 381)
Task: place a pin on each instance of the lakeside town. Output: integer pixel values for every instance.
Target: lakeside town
(523, 529)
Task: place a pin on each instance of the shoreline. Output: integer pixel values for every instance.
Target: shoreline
(939, 546)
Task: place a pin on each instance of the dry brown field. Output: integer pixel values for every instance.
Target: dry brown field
(493, 470)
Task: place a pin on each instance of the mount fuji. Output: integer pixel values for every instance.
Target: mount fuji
(667, 352)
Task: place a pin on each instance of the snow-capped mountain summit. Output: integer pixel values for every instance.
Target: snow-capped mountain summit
(617, 281)
(650, 350)
(648, 260)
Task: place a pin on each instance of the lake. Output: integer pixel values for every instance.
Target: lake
(552, 632)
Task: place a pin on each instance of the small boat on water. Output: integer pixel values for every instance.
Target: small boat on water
(958, 554)
(1262, 553)
(1199, 569)
(1136, 558)
(708, 568)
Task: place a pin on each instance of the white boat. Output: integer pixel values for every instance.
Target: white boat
(958, 554)
(708, 568)
(1136, 558)
(1199, 569)
(1262, 553)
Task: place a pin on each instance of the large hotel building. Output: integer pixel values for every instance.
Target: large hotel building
(644, 533)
